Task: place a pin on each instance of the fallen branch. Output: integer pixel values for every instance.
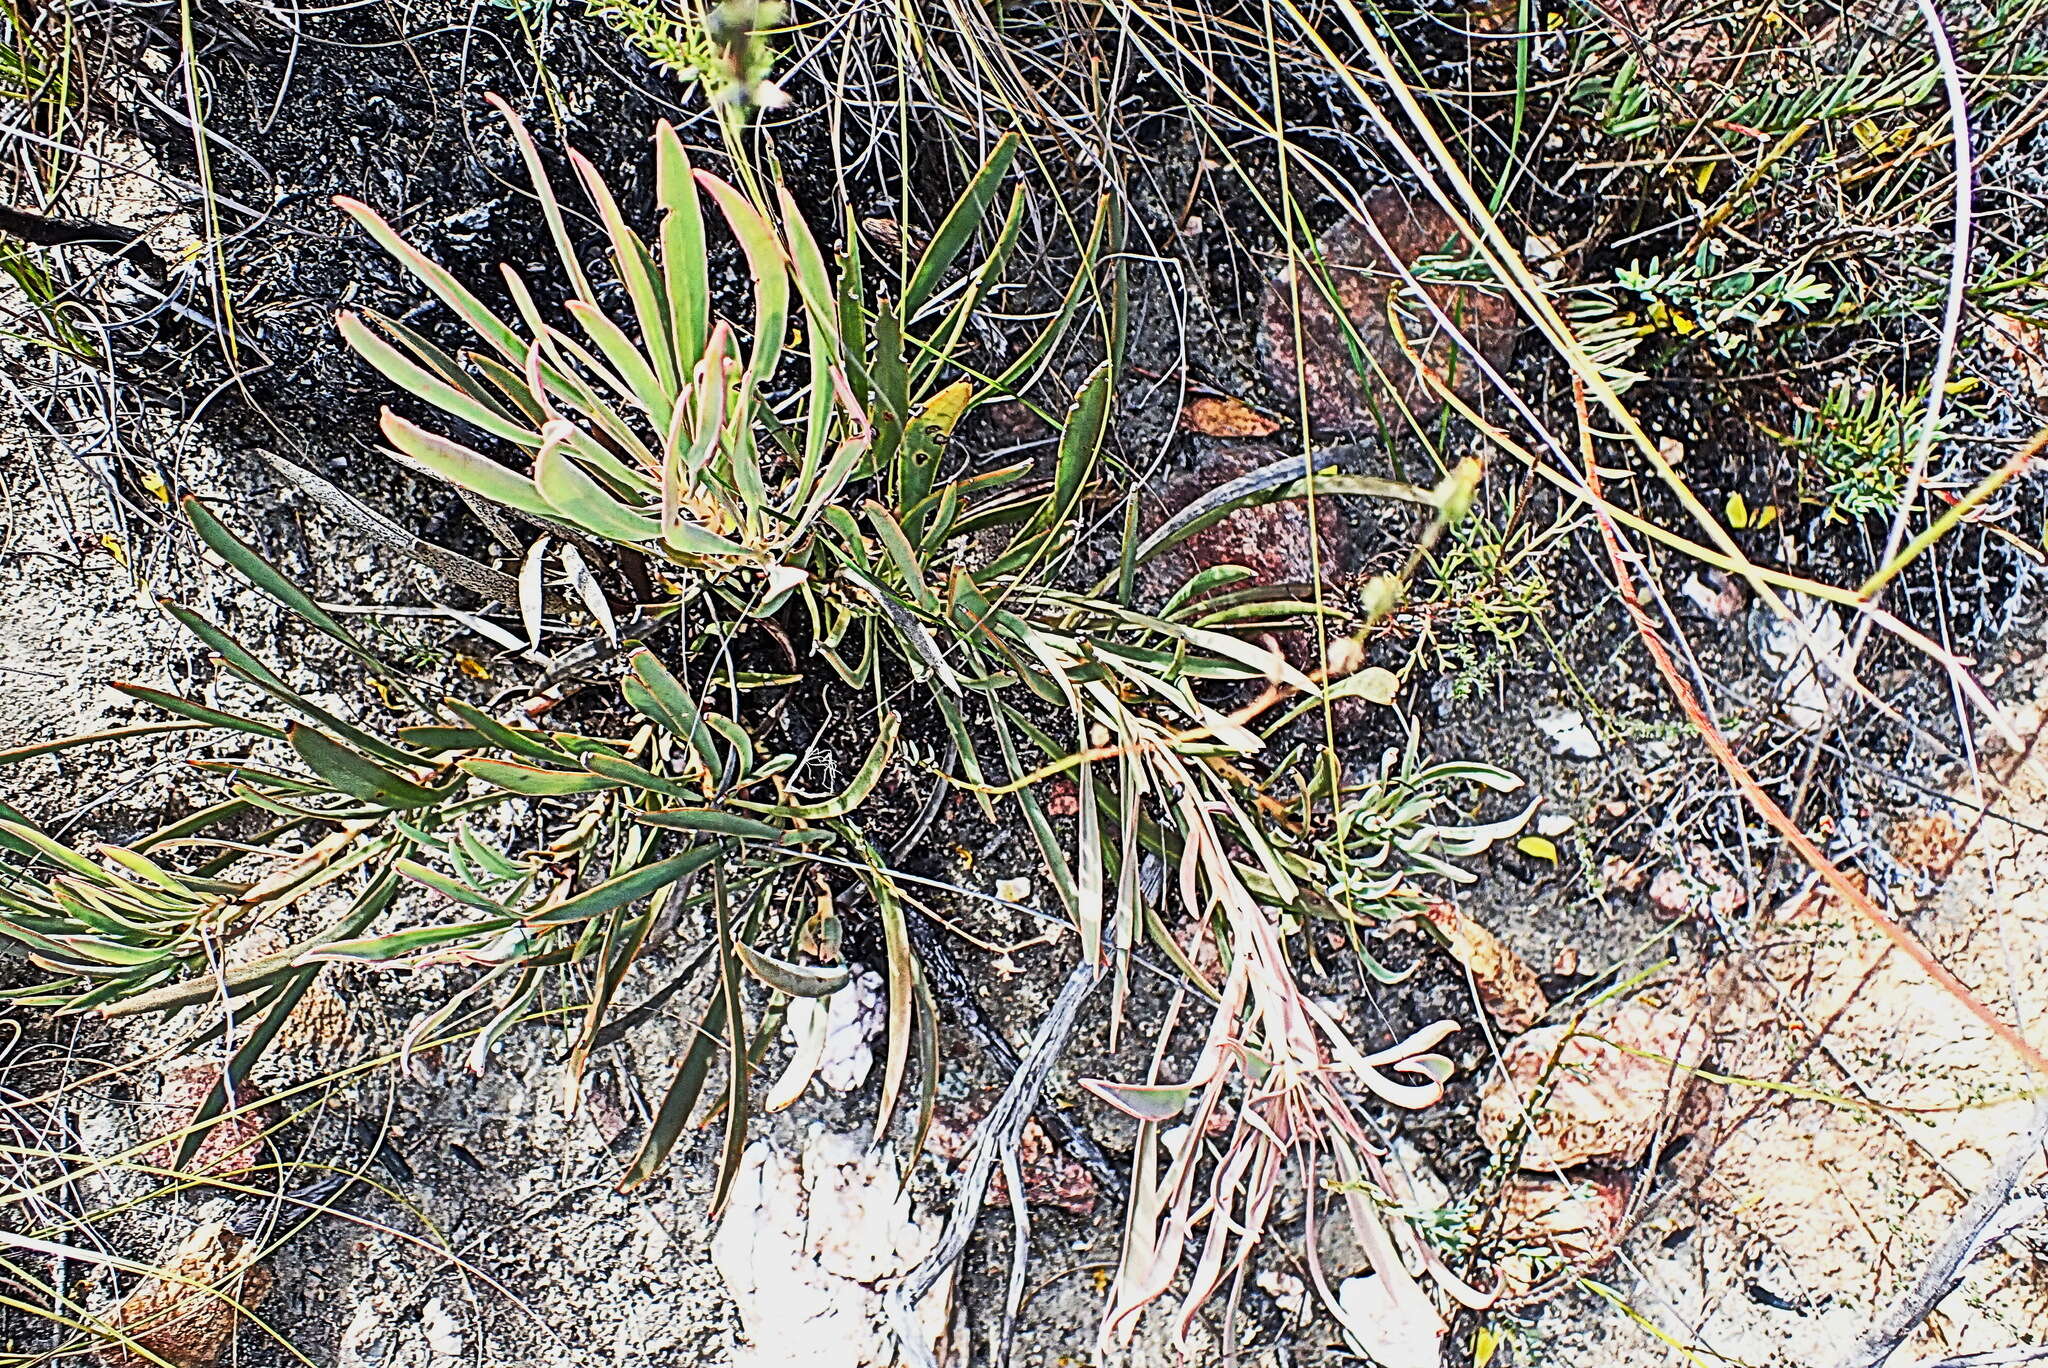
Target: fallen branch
(1987, 1218)
(1001, 1131)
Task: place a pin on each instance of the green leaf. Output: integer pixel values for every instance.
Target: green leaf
(797, 980)
(581, 500)
(454, 888)
(960, 225)
(1147, 1102)
(550, 206)
(626, 888)
(684, 265)
(487, 324)
(238, 658)
(856, 792)
(400, 370)
(531, 780)
(661, 697)
(463, 468)
(271, 581)
(637, 776)
(398, 944)
(635, 271)
(518, 740)
(711, 821)
(28, 752)
(770, 269)
(358, 776)
(680, 1100)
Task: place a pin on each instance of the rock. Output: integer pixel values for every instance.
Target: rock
(1550, 1226)
(1702, 886)
(1381, 1328)
(1926, 843)
(809, 1242)
(1340, 402)
(853, 1018)
(1569, 735)
(186, 1316)
(1051, 1179)
(1798, 655)
(444, 1336)
(232, 1145)
(1589, 1102)
(1223, 417)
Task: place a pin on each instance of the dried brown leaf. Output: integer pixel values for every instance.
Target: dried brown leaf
(1507, 986)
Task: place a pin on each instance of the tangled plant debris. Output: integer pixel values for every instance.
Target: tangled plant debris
(1318, 663)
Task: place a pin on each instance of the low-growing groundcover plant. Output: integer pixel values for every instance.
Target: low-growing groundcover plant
(786, 482)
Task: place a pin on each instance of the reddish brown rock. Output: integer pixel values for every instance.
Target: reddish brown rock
(232, 1145)
(1340, 401)
(1554, 1230)
(1598, 1093)
(1051, 1179)
(186, 1315)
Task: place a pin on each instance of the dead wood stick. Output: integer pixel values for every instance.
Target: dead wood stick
(1986, 1218)
(1000, 1133)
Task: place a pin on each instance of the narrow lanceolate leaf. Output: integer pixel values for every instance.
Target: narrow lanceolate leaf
(436, 278)
(243, 662)
(272, 581)
(580, 499)
(1147, 1102)
(29, 752)
(646, 386)
(661, 697)
(550, 207)
(635, 776)
(629, 256)
(357, 775)
(529, 743)
(625, 889)
(454, 888)
(960, 225)
(463, 468)
(712, 822)
(856, 792)
(396, 945)
(1081, 440)
(531, 780)
(797, 980)
(402, 371)
(680, 1100)
(902, 985)
(770, 270)
(813, 281)
(684, 267)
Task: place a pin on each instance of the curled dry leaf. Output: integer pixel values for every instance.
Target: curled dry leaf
(1340, 401)
(1212, 416)
(186, 1315)
(2024, 345)
(1551, 1226)
(1599, 1092)
(1507, 986)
